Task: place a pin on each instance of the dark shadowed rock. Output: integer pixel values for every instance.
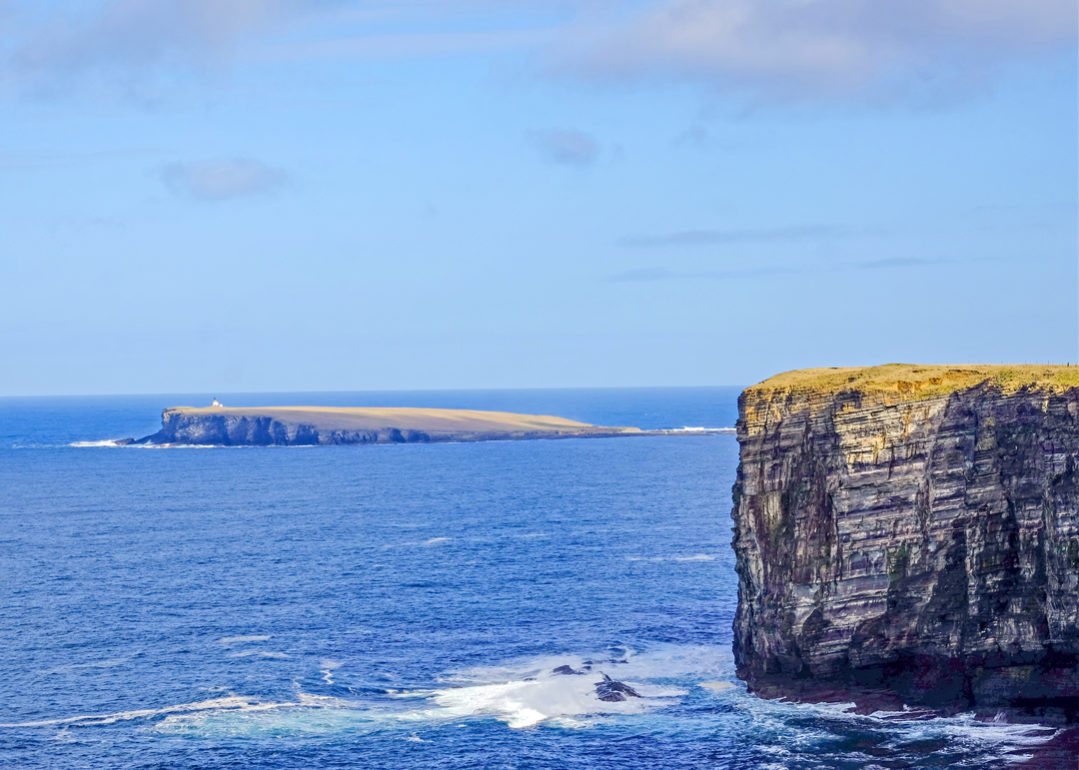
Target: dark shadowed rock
(612, 691)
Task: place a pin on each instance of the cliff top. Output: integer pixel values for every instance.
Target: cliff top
(916, 381)
(332, 418)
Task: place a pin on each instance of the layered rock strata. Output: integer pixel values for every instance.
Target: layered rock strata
(912, 528)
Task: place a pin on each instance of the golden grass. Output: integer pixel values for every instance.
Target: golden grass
(917, 381)
(406, 418)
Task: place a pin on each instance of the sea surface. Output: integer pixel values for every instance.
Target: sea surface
(398, 606)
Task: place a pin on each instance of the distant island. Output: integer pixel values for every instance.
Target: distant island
(327, 425)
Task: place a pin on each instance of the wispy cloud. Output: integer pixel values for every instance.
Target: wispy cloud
(215, 180)
(893, 262)
(805, 49)
(658, 274)
(121, 41)
(791, 49)
(567, 146)
(735, 235)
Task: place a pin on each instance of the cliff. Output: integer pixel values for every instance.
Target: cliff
(912, 528)
(306, 425)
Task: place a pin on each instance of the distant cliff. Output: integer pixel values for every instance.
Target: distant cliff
(913, 528)
(305, 425)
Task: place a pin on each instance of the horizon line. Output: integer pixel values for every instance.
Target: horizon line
(365, 390)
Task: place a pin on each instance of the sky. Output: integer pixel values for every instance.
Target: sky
(279, 195)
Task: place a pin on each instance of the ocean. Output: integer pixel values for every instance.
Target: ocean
(398, 606)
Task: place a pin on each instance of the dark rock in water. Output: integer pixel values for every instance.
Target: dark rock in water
(566, 670)
(912, 529)
(612, 691)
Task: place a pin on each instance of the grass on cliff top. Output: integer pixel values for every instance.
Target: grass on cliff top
(915, 381)
(406, 418)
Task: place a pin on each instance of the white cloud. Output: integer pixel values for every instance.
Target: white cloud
(221, 179)
(121, 40)
(804, 49)
(809, 48)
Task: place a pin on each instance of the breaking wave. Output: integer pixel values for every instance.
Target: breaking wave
(530, 694)
(701, 429)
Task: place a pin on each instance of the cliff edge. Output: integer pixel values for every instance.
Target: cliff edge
(913, 528)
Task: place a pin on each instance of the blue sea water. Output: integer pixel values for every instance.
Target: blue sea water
(397, 606)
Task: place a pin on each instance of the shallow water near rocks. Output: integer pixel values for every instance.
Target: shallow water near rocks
(398, 606)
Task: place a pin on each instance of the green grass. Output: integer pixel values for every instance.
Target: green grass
(439, 421)
(918, 381)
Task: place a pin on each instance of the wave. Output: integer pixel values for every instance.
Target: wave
(527, 694)
(690, 557)
(228, 703)
(125, 444)
(702, 429)
(328, 667)
(791, 730)
(244, 639)
(111, 663)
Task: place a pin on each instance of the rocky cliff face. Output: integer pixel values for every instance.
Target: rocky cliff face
(926, 542)
(180, 427)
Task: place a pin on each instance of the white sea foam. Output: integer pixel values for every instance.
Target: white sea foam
(679, 558)
(963, 731)
(229, 703)
(244, 639)
(527, 693)
(181, 446)
(525, 703)
(111, 663)
(327, 670)
(115, 442)
(716, 686)
(431, 541)
(520, 694)
(701, 429)
(270, 654)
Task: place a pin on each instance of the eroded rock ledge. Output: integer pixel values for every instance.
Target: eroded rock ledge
(912, 528)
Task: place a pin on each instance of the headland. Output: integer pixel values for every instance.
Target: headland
(912, 530)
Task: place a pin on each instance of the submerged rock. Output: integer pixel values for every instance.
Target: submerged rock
(612, 691)
(912, 528)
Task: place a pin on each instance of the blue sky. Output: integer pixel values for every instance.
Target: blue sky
(268, 195)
